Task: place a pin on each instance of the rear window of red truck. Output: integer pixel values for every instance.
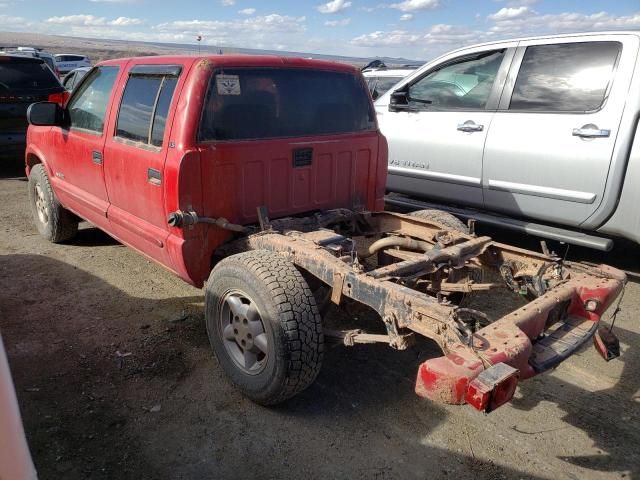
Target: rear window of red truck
(257, 103)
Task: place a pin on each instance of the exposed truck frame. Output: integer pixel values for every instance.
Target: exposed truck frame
(407, 269)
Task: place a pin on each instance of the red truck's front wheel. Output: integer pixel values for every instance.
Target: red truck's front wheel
(264, 325)
(53, 221)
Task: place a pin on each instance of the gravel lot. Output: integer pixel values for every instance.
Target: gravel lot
(115, 379)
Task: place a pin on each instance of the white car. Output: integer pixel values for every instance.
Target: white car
(65, 62)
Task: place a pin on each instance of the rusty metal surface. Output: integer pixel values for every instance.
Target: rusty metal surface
(410, 290)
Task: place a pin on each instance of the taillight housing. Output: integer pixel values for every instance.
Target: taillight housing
(494, 387)
(59, 98)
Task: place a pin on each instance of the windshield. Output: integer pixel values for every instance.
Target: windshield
(250, 103)
(25, 76)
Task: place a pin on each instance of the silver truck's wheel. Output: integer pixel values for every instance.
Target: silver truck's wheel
(53, 221)
(264, 326)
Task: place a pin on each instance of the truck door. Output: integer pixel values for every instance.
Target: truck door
(437, 137)
(135, 153)
(77, 150)
(550, 144)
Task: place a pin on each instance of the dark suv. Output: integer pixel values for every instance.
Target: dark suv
(23, 81)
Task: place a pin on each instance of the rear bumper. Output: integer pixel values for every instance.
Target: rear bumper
(532, 339)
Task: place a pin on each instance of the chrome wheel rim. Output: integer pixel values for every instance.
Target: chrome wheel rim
(242, 331)
(41, 205)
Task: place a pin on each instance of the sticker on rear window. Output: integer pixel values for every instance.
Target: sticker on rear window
(228, 84)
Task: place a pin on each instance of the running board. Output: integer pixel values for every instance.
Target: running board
(544, 231)
(560, 342)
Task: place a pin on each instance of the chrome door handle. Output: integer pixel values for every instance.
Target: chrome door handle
(96, 157)
(590, 132)
(470, 126)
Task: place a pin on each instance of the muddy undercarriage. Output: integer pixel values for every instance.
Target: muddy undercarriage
(412, 271)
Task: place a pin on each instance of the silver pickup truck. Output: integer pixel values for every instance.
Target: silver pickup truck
(538, 135)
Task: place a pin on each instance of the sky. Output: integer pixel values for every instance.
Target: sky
(412, 29)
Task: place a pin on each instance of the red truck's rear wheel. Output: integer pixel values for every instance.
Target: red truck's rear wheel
(264, 325)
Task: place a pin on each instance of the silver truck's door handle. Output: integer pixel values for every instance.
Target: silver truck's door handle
(590, 131)
(470, 126)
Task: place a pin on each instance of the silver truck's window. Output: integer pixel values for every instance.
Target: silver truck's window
(465, 84)
(565, 77)
(256, 103)
(144, 108)
(88, 105)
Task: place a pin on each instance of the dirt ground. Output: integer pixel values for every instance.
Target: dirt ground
(115, 379)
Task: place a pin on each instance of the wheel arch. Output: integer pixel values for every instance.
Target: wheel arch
(33, 157)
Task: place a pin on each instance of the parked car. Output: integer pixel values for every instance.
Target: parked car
(259, 177)
(381, 79)
(48, 58)
(23, 80)
(65, 62)
(538, 135)
(72, 79)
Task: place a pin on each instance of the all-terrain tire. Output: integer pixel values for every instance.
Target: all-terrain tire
(443, 218)
(289, 316)
(54, 222)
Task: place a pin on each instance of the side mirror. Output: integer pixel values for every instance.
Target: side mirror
(399, 100)
(46, 114)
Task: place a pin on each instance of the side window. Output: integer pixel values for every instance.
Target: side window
(565, 77)
(88, 106)
(136, 109)
(162, 110)
(464, 84)
(144, 108)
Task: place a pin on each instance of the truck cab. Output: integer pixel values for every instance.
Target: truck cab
(143, 137)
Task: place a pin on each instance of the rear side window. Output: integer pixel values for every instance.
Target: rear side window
(251, 103)
(565, 77)
(88, 106)
(26, 75)
(144, 108)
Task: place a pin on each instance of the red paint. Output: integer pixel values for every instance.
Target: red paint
(59, 98)
(216, 179)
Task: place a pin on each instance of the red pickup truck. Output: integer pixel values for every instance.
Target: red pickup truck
(262, 179)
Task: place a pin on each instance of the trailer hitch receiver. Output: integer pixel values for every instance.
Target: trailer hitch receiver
(494, 387)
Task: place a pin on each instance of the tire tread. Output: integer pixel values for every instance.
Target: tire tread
(298, 314)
